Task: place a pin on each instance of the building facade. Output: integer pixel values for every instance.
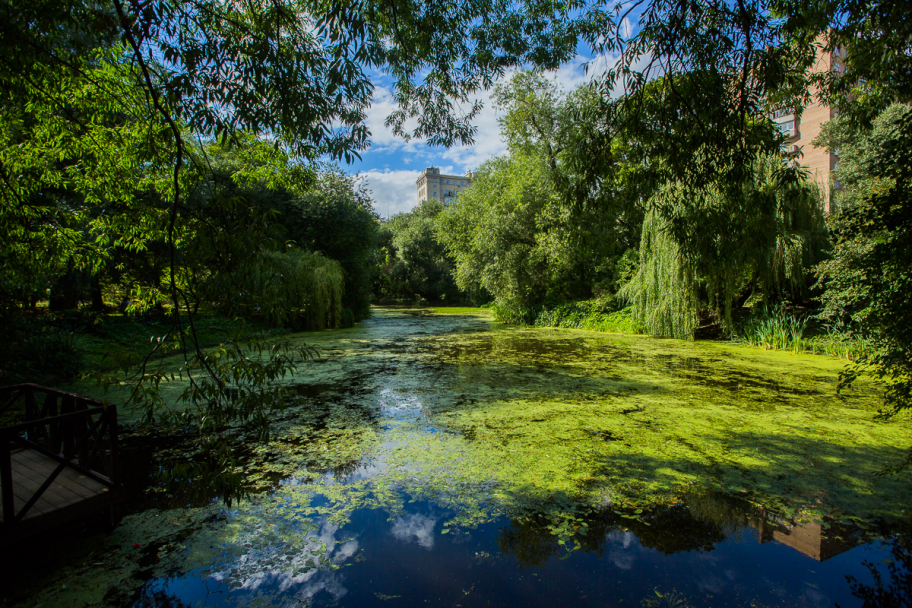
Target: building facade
(434, 185)
(801, 130)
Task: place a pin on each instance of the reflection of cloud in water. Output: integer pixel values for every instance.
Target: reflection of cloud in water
(625, 539)
(812, 597)
(622, 560)
(619, 549)
(415, 528)
(272, 569)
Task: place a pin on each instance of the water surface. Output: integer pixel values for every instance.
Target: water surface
(449, 461)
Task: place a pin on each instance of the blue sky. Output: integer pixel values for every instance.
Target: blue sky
(391, 165)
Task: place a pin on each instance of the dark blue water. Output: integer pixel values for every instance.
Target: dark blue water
(681, 561)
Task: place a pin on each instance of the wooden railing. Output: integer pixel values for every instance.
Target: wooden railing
(76, 432)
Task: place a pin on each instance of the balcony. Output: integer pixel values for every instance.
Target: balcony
(789, 129)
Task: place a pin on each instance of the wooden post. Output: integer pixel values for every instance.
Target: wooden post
(54, 438)
(31, 405)
(81, 436)
(67, 429)
(112, 431)
(50, 409)
(6, 478)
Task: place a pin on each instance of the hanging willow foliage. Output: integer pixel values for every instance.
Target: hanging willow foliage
(296, 289)
(709, 247)
(662, 293)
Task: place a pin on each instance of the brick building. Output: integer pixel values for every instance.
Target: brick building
(801, 131)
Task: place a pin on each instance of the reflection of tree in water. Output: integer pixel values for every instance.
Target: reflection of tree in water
(158, 598)
(706, 521)
(530, 540)
(892, 586)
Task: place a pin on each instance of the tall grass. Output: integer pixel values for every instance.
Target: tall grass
(777, 329)
(774, 330)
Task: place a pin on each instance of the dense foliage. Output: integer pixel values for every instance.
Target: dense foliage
(868, 279)
(524, 232)
(415, 266)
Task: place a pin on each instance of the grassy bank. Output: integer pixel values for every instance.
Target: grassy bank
(49, 347)
(592, 315)
(460, 310)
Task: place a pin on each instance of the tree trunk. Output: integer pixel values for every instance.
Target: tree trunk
(97, 301)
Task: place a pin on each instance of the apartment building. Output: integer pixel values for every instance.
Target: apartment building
(434, 185)
(801, 131)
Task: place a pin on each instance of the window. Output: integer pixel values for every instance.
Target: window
(435, 195)
(837, 68)
(786, 126)
(784, 112)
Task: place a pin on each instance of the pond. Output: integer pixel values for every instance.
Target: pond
(450, 461)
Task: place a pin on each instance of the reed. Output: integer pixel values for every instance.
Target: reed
(776, 329)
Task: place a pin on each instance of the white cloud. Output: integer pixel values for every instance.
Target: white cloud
(393, 191)
(382, 137)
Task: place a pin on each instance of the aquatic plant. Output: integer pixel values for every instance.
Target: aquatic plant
(777, 329)
(670, 599)
(773, 329)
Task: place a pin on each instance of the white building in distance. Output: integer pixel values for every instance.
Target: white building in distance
(434, 185)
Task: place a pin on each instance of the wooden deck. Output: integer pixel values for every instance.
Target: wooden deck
(30, 468)
(57, 465)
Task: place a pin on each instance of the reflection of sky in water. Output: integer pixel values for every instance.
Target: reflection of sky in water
(415, 528)
(270, 574)
(376, 558)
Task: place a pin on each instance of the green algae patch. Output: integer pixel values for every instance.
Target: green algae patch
(529, 413)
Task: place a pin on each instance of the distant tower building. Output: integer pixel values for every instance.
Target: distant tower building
(433, 185)
(799, 133)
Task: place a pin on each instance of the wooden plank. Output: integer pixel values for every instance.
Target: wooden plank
(68, 482)
(25, 488)
(39, 456)
(31, 526)
(70, 487)
(19, 501)
(34, 456)
(55, 494)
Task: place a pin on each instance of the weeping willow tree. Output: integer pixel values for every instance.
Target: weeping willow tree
(712, 248)
(294, 288)
(663, 291)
